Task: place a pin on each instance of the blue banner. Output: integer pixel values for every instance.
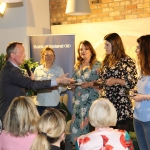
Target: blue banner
(64, 48)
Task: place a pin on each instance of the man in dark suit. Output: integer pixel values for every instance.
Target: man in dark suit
(13, 83)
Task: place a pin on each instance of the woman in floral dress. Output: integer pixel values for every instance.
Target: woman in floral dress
(86, 70)
(119, 73)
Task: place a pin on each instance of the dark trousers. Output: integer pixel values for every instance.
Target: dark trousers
(123, 125)
(41, 109)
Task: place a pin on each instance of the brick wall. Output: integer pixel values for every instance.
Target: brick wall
(106, 10)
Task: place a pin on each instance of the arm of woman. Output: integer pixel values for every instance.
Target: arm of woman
(141, 97)
(129, 73)
(113, 81)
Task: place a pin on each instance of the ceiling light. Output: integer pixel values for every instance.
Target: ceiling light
(78, 7)
(10, 1)
(2, 8)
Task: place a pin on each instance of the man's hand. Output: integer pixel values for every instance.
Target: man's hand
(32, 76)
(64, 80)
(85, 85)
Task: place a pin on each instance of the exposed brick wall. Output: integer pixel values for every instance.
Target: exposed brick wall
(106, 10)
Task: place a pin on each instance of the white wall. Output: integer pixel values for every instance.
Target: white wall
(38, 17)
(129, 30)
(23, 19)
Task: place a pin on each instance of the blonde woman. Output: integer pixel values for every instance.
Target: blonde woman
(51, 129)
(19, 125)
(46, 71)
(102, 115)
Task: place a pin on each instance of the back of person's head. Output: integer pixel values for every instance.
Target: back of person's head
(10, 48)
(21, 117)
(117, 45)
(51, 129)
(102, 113)
(144, 46)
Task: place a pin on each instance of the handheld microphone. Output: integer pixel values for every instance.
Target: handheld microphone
(28, 70)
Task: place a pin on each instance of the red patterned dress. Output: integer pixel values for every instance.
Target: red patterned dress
(105, 139)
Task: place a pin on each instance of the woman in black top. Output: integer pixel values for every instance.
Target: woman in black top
(118, 72)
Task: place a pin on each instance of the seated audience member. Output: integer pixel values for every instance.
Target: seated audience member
(51, 129)
(19, 125)
(102, 115)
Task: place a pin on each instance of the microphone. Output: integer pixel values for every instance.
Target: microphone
(28, 70)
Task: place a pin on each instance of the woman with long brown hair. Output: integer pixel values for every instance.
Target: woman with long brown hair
(119, 74)
(86, 71)
(141, 114)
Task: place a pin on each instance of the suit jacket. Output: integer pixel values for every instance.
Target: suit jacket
(13, 83)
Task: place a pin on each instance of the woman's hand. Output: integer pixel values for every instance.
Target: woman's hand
(110, 81)
(141, 97)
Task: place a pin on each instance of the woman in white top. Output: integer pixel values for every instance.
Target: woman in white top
(48, 70)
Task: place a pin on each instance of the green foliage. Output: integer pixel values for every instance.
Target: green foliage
(31, 64)
(2, 60)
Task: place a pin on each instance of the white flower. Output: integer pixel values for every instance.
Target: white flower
(83, 111)
(77, 102)
(79, 80)
(74, 130)
(79, 87)
(85, 97)
(86, 75)
(116, 72)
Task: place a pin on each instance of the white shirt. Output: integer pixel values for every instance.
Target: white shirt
(49, 97)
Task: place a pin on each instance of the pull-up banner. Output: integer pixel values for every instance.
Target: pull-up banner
(64, 48)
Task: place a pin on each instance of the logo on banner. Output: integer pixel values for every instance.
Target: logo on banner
(52, 46)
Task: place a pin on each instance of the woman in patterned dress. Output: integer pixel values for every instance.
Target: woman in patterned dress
(86, 70)
(119, 74)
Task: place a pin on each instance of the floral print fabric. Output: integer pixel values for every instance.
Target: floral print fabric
(82, 100)
(123, 69)
(105, 139)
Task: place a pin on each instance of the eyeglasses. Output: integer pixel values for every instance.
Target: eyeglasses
(48, 55)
